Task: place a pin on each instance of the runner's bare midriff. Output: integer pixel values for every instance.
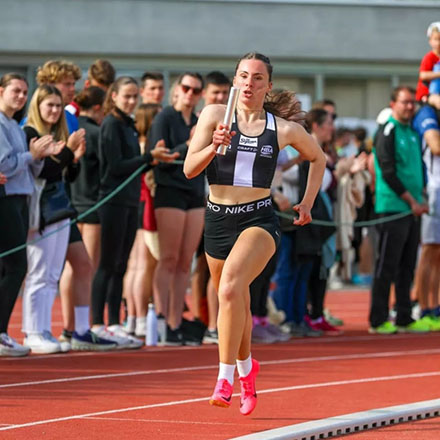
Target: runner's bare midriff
(235, 195)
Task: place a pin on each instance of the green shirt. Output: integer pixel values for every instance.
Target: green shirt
(398, 166)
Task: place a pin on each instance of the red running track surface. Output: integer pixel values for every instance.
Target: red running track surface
(162, 393)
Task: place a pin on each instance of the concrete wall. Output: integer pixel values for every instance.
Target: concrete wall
(355, 48)
(309, 30)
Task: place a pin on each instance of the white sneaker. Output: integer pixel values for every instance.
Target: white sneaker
(65, 345)
(10, 347)
(39, 344)
(122, 342)
(119, 331)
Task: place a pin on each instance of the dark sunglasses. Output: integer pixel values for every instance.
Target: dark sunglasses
(186, 89)
(333, 115)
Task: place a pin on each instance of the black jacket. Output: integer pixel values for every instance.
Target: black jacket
(84, 191)
(53, 165)
(119, 157)
(170, 126)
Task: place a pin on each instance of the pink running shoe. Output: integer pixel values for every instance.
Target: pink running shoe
(325, 326)
(222, 394)
(248, 397)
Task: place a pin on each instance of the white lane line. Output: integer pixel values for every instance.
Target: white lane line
(409, 336)
(126, 419)
(352, 381)
(208, 367)
(204, 399)
(299, 341)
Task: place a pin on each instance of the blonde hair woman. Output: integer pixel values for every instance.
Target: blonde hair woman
(46, 257)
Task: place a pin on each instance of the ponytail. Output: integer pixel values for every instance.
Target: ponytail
(286, 105)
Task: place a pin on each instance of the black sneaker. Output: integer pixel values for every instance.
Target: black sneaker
(65, 336)
(174, 337)
(91, 342)
(210, 337)
(192, 340)
(193, 331)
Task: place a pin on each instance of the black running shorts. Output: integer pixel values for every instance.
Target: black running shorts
(170, 197)
(224, 223)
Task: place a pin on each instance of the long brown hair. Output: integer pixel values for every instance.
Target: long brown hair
(143, 118)
(282, 103)
(59, 129)
(109, 105)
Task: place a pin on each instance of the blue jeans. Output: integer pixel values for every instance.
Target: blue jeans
(291, 278)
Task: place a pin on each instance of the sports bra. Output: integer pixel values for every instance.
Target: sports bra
(250, 161)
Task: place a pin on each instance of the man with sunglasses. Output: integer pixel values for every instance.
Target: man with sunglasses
(179, 206)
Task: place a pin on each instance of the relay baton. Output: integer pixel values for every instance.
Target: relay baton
(229, 115)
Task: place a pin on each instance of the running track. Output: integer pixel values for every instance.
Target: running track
(161, 393)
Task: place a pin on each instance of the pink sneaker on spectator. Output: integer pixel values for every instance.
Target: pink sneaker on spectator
(222, 394)
(248, 397)
(311, 324)
(323, 325)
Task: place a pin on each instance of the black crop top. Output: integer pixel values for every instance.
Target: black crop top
(249, 161)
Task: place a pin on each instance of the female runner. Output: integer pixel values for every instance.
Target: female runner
(242, 230)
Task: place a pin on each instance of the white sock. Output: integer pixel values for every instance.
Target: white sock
(141, 324)
(226, 371)
(82, 319)
(244, 367)
(131, 324)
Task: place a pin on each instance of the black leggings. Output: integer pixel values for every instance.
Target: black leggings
(317, 288)
(14, 219)
(118, 231)
(395, 262)
(259, 289)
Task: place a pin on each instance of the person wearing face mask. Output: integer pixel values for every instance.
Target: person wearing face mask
(18, 167)
(179, 205)
(119, 157)
(241, 229)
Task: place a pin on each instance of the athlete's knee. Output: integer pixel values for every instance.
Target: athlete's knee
(229, 291)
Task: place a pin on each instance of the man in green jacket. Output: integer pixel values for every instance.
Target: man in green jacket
(399, 188)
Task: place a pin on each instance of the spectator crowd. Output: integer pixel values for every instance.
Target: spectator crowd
(139, 242)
